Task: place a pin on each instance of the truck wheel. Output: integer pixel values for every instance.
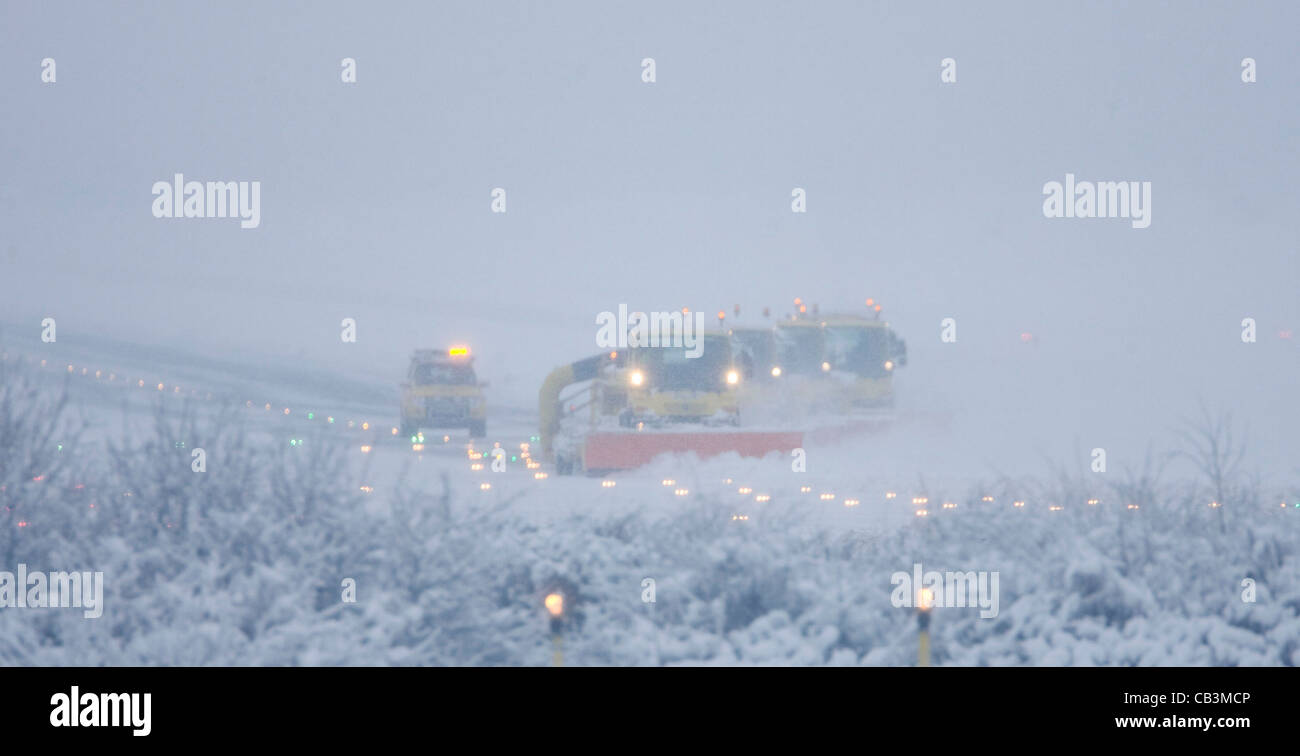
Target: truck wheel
(477, 428)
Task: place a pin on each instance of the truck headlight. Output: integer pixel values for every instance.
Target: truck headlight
(732, 377)
(776, 372)
(636, 378)
(889, 365)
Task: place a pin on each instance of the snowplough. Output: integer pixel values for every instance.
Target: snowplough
(835, 364)
(752, 391)
(442, 391)
(621, 409)
(862, 354)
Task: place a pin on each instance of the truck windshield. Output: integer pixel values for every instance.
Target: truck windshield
(670, 369)
(753, 351)
(858, 350)
(799, 350)
(442, 374)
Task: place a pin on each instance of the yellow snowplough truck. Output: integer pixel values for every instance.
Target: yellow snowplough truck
(669, 385)
(634, 404)
(838, 363)
(442, 391)
(863, 355)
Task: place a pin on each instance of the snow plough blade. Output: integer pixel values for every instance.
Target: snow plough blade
(606, 451)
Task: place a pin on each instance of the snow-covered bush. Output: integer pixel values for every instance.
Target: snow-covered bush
(245, 564)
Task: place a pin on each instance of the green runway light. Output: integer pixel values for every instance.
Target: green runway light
(311, 415)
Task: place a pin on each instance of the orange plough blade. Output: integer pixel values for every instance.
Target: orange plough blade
(626, 450)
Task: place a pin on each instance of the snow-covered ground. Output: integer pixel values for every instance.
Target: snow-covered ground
(750, 561)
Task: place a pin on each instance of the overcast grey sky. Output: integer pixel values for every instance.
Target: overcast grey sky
(375, 195)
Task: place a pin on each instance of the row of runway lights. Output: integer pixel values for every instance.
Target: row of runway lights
(100, 374)
(920, 503)
(479, 459)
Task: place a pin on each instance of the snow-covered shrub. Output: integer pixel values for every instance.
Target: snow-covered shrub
(244, 564)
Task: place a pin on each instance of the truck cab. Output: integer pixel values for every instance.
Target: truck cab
(838, 363)
(666, 385)
(442, 391)
(864, 354)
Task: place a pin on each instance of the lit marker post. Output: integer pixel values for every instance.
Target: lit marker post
(555, 607)
(924, 601)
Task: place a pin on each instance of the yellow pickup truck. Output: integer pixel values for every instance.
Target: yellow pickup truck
(442, 391)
